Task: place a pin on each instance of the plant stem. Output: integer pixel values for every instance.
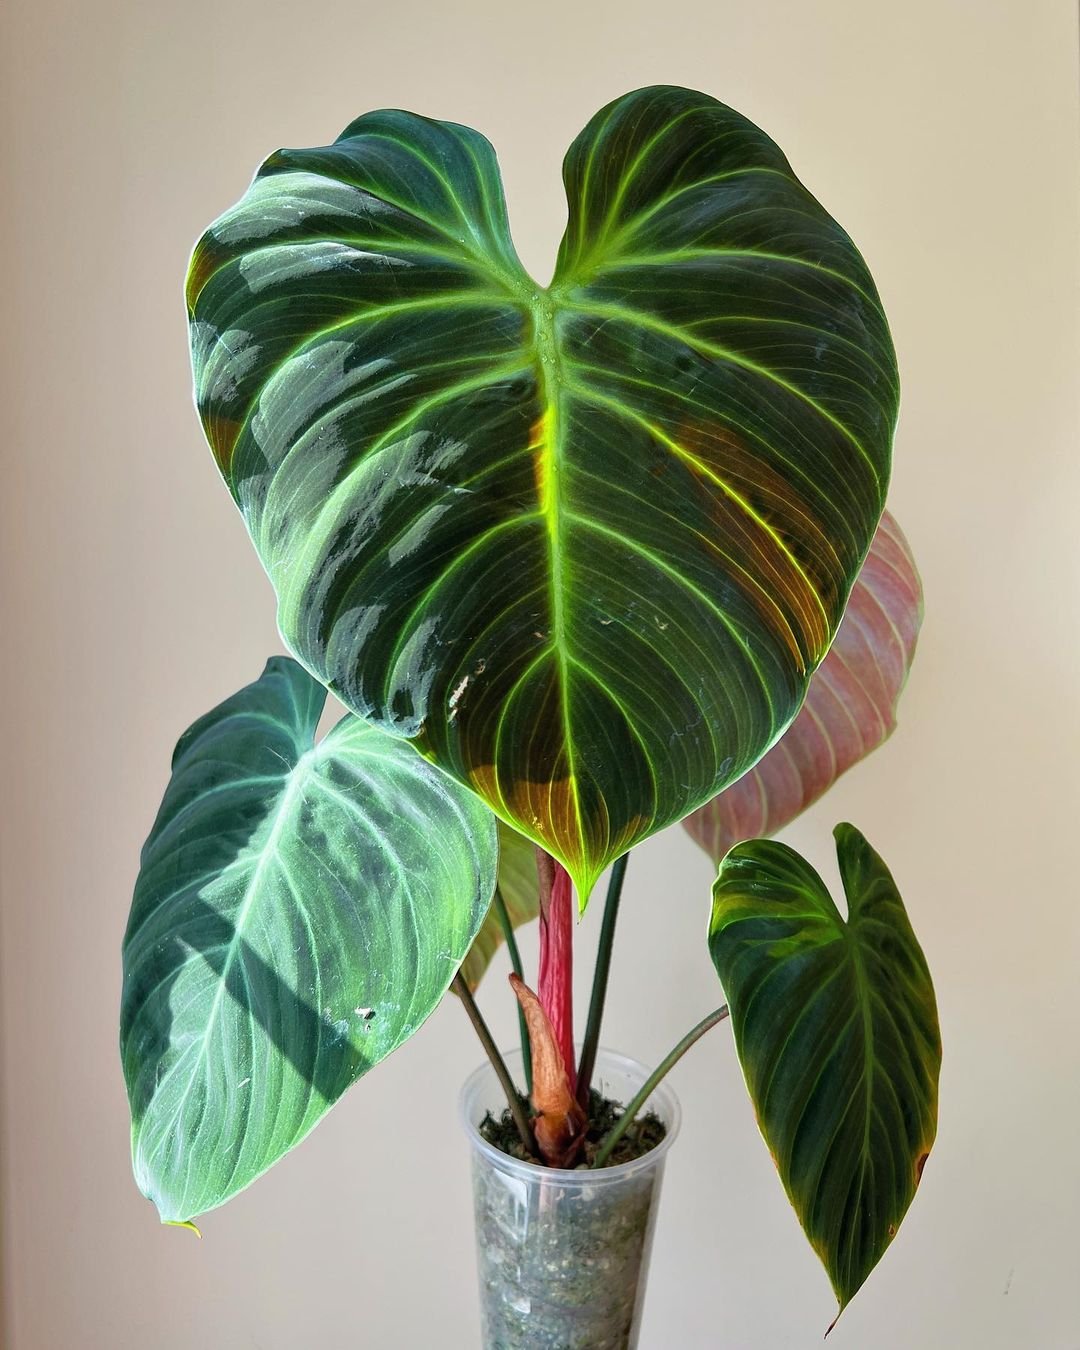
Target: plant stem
(507, 927)
(555, 978)
(671, 1059)
(600, 980)
(513, 1097)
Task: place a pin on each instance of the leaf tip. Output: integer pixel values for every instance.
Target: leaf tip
(183, 1223)
(843, 831)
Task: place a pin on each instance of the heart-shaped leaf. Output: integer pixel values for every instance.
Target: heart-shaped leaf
(850, 706)
(584, 545)
(300, 910)
(836, 1029)
(521, 896)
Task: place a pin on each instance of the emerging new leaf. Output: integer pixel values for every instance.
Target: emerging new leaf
(836, 1029)
(583, 545)
(300, 910)
(850, 706)
(560, 1123)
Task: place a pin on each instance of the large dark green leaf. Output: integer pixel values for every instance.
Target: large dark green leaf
(584, 545)
(849, 709)
(837, 1032)
(299, 912)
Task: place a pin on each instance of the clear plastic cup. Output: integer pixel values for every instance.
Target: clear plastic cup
(563, 1255)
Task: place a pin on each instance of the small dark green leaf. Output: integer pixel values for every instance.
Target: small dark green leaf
(300, 910)
(836, 1029)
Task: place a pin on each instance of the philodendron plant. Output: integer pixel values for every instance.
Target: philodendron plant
(581, 561)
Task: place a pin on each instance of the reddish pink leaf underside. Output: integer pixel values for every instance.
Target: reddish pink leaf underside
(850, 706)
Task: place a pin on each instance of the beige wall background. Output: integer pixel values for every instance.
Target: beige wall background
(944, 135)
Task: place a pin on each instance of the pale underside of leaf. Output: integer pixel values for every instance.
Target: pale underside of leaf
(299, 912)
(520, 895)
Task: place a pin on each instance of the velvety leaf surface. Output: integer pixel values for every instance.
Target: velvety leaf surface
(850, 706)
(299, 912)
(583, 544)
(836, 1029)
(520, 893)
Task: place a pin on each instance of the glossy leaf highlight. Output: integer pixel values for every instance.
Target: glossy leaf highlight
(584, 544)
(300, 910)
(850, 706)
(836, 1029)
